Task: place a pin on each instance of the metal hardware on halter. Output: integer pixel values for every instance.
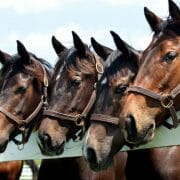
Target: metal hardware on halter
(166, 101)
(99, 68)
(79, 120)
(22, 125)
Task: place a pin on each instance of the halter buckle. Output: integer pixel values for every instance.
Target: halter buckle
(20, 146)
(22, 126)
(79, 120)
(167, 101)
(99, 68)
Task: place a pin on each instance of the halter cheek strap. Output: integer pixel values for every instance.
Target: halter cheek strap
(166, 101)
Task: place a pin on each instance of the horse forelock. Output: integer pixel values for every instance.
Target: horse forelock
(70, 61)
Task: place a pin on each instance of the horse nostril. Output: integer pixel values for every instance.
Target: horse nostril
(91, 155)
(45, 139)
(130, 125)
(151, 126)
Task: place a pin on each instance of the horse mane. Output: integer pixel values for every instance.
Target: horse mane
(116, 61)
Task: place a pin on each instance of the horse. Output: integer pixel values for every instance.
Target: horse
(72, 87)
(11, 170)
(104, 137)
(72, 95)
(22, 95)
(154, 94)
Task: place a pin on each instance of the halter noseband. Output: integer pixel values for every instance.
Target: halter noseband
(166, 101)
(79, 119)
(22, 124)
(105, 118)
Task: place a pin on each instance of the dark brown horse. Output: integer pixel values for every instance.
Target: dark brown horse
(104, 137)
(11, 170)
(21, 94)
(75, 77)
(72, 95)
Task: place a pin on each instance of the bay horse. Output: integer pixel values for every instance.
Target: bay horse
(158, 77)
(154, 95)
(22, 95)
(104, 137)
(72, 86)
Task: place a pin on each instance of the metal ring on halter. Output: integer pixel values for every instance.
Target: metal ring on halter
(20, 146)
(22, 126)
(99, 68)
(44, 101)
(79, 120)
(167, 101)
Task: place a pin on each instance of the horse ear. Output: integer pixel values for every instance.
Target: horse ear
(58, 47)
(174, 11)
(153, 20)
(120, 44)
(23, 52)
(101, 50)
(4, 57)
(79, 45)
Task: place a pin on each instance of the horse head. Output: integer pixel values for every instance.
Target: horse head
(72, 95)
(21, 89)
(104, 137)
(154, 95)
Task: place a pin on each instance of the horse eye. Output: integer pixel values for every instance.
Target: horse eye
(170, 56)
(76, 82)
(20, 90)
(121, 89)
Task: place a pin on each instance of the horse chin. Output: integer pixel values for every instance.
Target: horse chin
(142, 140)
(97, 167)
(49, 152)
